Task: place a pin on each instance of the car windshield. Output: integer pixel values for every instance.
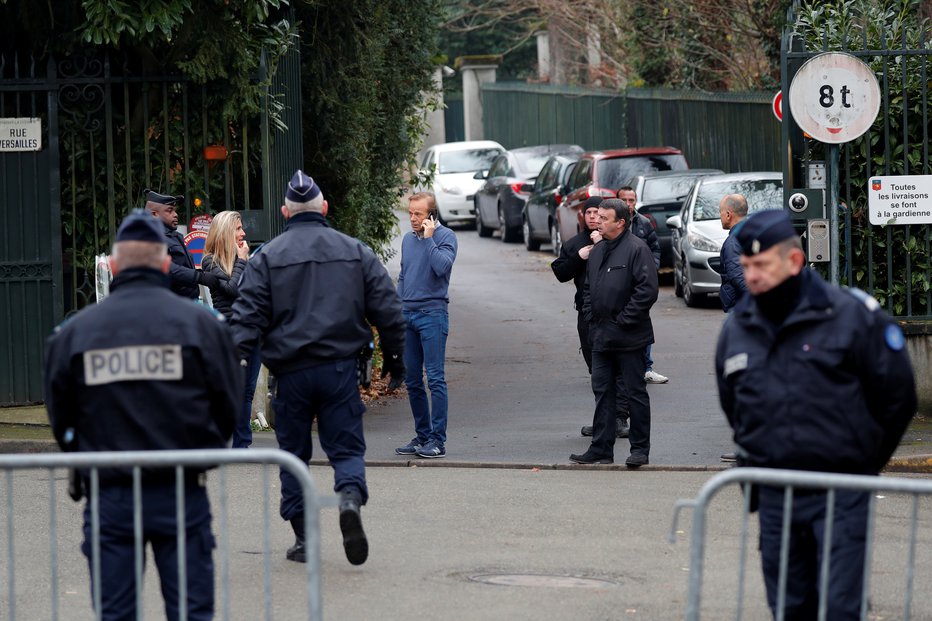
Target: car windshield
(614, 172)
(666, 188)
(470, 160)
(530, 164)
(761, 194)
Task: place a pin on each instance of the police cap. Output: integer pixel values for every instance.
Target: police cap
(162, 199)
(301, 188)
(763, 230)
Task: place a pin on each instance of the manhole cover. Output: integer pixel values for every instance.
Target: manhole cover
(538, 580)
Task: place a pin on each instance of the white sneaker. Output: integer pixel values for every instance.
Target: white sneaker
(652, 377)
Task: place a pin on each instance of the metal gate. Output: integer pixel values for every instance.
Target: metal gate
(109, 131)
(898, 592)
(892, 263)
(42, 564)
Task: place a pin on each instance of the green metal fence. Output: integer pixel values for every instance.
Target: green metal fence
(109, 132)
(518, 114)
(892, 263)
(731, 131)
(735, 132)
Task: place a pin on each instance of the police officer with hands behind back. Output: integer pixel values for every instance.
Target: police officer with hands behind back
(811, 377)
(309, 297)
(116, 381)
(183, 275)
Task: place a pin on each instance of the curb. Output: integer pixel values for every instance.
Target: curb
(915, 464)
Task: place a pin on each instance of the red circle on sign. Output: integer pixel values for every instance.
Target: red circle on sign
(200, 222)
(777, 106)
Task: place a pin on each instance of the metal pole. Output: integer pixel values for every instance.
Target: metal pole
(832, 173)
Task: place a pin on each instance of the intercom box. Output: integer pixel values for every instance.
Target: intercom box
(805, 204)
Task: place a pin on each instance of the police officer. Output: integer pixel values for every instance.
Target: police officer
(811, 377)
(117, 381)
(307, 296)
(183, 275)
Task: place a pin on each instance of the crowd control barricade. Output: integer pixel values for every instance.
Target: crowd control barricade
(26, 548)
(914, 492)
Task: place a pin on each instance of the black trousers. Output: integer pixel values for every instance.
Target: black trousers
(614, 372)
(807, 534)
(582, 328)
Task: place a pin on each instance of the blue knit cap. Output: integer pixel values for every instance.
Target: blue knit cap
(301, 188)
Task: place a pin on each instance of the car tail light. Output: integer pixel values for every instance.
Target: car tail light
(603, 192)
(558, 198)
(517, 188)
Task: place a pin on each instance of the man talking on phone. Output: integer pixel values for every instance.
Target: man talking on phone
(427, 256)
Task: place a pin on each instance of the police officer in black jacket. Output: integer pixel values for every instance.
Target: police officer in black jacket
(183, 275)
(620, 289)
(811, 377)
(116, 380)
(311, 295)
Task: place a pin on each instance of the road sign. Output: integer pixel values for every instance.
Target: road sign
(194, 242)
(20, 134)
(777, 106)
(900, 199)
(834, 97)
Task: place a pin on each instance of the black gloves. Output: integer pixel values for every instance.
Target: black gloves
(207, 279)
(394, 365)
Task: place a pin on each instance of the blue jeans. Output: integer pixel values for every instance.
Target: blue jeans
(425, 349)
(242, 431)
(648, 361)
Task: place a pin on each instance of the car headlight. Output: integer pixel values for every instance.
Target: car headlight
(450, 189)
(701, 242)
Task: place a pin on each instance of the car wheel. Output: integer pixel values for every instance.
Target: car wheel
(481, 228)
(556, 241)
(691, 298)
(529, 242)
(509, 235)
(677, 284)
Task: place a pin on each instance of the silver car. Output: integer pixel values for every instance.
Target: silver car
(697, 233)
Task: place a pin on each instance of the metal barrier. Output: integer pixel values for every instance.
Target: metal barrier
(791, 480)
(136, 461)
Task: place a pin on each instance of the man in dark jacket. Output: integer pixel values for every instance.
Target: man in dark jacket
(117, 381)
(309, 297)
(811, 377)
(732, 210)
(620, 289)
(182, 274)
(644, 228)
(571, 265)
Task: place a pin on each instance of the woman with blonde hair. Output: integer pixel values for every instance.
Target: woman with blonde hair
(225, 256)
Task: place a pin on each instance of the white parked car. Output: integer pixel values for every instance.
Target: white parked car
(455, 182)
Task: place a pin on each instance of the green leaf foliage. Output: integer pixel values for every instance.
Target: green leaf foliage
(365, 67)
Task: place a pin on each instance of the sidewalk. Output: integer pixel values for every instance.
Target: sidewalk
(25, 430)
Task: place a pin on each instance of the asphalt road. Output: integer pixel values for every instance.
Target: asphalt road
(518, 387)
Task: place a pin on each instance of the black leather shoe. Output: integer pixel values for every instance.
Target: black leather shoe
(355, 544)
(590, 458)
(297, 552)
(636, 460)
(621, 431)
